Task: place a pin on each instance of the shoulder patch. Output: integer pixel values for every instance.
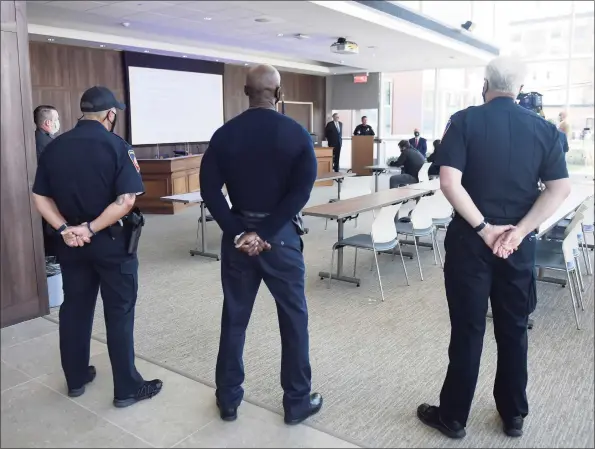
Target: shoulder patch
(132, 157)
(446, 129)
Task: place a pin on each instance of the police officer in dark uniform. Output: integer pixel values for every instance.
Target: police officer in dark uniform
(267, 163)
(491, 159)
(363, 129)
(86, 184)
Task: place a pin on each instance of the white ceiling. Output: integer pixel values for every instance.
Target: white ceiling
(229, 31)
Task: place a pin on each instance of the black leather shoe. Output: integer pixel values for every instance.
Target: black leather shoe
(76, 392)
(227, 414)
(514, 427)
(315, 406)
(430, 416)
(149, 389)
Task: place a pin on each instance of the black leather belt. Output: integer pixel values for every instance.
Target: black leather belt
(250, 214)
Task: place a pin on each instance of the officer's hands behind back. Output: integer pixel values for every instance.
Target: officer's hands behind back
(493, 237)
(251, 244)
(75, 236)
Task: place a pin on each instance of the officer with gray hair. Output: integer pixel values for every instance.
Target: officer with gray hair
(491, 159)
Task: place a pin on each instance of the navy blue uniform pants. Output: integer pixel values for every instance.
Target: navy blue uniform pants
(103, 265)
(282, 270)
(472, 274)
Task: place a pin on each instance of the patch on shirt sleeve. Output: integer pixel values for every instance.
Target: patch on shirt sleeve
(132, 157)
(446, 129)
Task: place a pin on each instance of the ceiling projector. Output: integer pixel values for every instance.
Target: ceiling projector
(345, 47)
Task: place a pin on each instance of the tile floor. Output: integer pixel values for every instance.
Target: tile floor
(36, 412)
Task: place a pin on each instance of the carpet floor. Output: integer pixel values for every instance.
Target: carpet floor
(373, 361)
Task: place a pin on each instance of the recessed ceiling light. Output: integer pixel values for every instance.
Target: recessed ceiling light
(51, 39)
(341, 62)
(216, 60)
(184, 56)
(280, 35)
(207, 18)
(146, 51)
(372, 46)
(126, 24)
(245, 63)
(262, 20)
(102, 45)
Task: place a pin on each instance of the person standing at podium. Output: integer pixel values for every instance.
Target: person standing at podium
(364, 129)
(334, 136)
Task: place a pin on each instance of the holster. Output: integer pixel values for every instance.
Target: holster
(133, 225)
(298, 222)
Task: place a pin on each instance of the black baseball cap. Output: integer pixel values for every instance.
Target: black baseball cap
(99, 98)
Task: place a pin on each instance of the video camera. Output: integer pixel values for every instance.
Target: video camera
(531, 101)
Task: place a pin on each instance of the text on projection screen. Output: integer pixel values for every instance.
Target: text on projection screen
(168, 106)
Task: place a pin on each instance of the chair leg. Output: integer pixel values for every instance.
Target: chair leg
(330, 273)
(403, 261)
(355, 262)
(438, 249)
(355, 224)
(579, 274)
(418, 261)
(372, 262)
(434, 248)
(326, 224)
(568, 277)
(585, 249)
(579, 290)
(378, 273)
(198, 232)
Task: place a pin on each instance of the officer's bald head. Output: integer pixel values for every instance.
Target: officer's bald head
(505, 76)
(262, 83)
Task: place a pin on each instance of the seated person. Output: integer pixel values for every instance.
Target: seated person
(434, 169)
(411, 161)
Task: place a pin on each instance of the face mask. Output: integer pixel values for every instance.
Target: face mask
(112, 123)
(55, 127)
(484, 91)
(416, 134)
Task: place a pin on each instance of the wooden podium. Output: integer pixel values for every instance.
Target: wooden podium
(362, 154)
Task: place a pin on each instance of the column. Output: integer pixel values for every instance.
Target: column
(24, 293)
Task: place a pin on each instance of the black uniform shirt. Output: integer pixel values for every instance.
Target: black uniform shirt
(84, 170)
(363, 130)
(503, 150)
(42, 139)
(267, 163)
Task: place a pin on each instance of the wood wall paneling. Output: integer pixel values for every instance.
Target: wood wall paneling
(23, 289)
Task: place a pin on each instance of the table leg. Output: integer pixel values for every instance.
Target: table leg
(334, 200)
(339, 274)
(203, 244)
(376, 176)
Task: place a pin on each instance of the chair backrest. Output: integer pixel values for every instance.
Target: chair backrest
(383, 227)
(422, 175)
(589, 211)
(574, 223)
(421, 217)
(570, 245)
(441, 208)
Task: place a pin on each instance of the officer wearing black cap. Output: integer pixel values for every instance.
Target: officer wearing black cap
(491, 159)
(85, 187)
(267, 163)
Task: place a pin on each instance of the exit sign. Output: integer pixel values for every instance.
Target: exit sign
(360, 79)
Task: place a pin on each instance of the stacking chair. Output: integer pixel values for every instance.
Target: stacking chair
(352, 192)
(442, 211)
(422, 175)
(420, 225)
(588, 226)
(382, 238)
(552, 255)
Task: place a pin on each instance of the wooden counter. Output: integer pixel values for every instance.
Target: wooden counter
(324, 158)
(163, 177)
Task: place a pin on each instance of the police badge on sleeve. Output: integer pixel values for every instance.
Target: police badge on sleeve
(132, 157)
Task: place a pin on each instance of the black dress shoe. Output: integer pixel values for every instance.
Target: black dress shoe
(76, 392)
(227, 414)
(514, 427)
(315, 406)
(149, 389)
(430, 416)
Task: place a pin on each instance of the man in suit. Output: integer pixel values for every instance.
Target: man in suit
(419, 143)
(47, 125)
(333, 133)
